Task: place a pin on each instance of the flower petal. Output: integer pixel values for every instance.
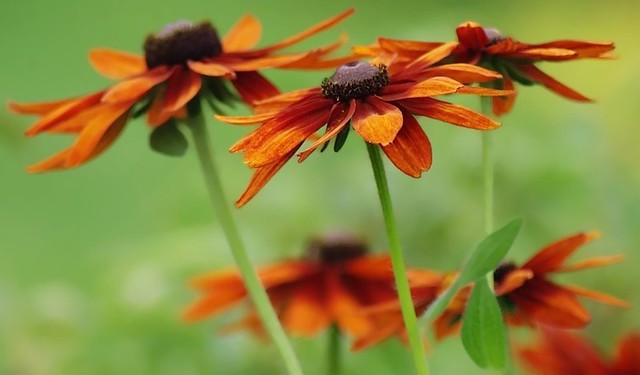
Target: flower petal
(512, 281)
(591, 263)
(372, 267)
(244, 35)
(135, 88)
(116, 64)
(259, 63)
(597, 296)
(582, 48)
(54, 162)
(465, 73)
(345, 307)
(306, 312)
(63, 112)
(181, 88)
(261, 176)
(377, 121)
(472, 36)
(410, 151)
(429, 87)
(547, 81)
(546, 54)
(552, 257)
(428, 59)
(501, 105)
(340, 116)
(626, 360)
(41, 108)
(447, 112)
(253, 87)
(211, 69)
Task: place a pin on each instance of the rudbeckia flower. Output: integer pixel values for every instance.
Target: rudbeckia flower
(378, 105)
(180, 62)
(560, 352)
(488, 47)
(330, 286)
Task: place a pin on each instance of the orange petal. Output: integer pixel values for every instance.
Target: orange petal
(582, 48)
(512, 281)
(410, 151)
(340, 116)
(305, 34)
(98, 133)
(266, 62)
(552, 257)
(135, 88)
(244, 35)
(345, 308)
(116, 64)
(403, 46)
(181, 88)
(261, 176)
(284, 133)
(429, 87)
(597, 296)
(378, 335)
(503, 104)
(277, 103)
(156, 115)
(546, 54)
(377, 121)
(52, 163)
(214, 303)
(472, 36)
(245, 120)
(464, 73)
(372, 267)
(211, 69)
(626, 359)
(41, 108)
(539, 76)
(253, 87)
(306, 312)
(547, 303)
(430, 58)
(447, 112)
(64, 112)
(591, 263)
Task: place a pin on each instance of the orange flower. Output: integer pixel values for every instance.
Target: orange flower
(487, 47)
(527, 296)
(180, 62)
(331, 285)
(560, 352)
(380, 106)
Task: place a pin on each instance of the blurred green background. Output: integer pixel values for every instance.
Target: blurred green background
(94, 261)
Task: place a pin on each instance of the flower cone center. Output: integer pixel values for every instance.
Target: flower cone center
(494, 35)
(336, 249)
(502, 271)
(355, 80)
(180, 42)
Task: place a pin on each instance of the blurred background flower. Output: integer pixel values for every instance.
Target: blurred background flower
(94, 262)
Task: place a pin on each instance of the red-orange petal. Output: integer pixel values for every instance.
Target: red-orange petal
(345, 308)
(546, 54)
(410, 151)
(591, 263)
(253, 87)
(52, 163)
(306, 312)
(502, 105)
(464, 73)
(549, 82)
(372, 267)
(472, 36)
(244, 35)
(627, 359)
(116, 64)
(214, 303)
(553, 256)
(512, 281)
(428, 59)
(340, 116)
(64, 112)
(261, 176)
(429, 87)
(211, 69)
(41, 108)
(377, 121)
(135, 88)
(447, 112)
(597, 296)
(181, 88)
(582, 48)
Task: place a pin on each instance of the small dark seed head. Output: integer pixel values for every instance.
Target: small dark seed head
(494, 35)
(502, 271)
(336, 248)
(181, 41)
(355, 80)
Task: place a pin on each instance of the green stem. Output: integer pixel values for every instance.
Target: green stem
(334, 349)
(256, 291)
(399, 271)
(487, 171)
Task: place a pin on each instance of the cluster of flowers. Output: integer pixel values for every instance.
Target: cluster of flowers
(377, 91)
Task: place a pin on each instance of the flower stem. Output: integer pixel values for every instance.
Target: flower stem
(487, 172)
(333, 364)
(256, 291)
(399, 271)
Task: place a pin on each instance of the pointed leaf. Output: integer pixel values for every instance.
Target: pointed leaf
(167, 139)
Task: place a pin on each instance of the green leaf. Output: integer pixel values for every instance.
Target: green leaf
(167, 139)
(483, 332)
(490, 252)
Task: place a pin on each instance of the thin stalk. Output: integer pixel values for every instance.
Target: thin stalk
(488, 181)
(256, 291)
(399, 271)
(334, 351)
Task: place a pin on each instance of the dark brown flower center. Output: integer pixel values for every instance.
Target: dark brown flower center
(181, 41)
(494, 35)
(336, 248)
(355, 80)
(502, 271)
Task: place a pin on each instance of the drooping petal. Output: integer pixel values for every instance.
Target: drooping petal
(626, 360)
(377, 121)
(447, 112)
(156, 115)
(549, 82)
(501, 105)
(261, 176)
(64, 112)
(345, 307)
(284, 133)
(211, 69)
(552, 257)
(597, 296)
(244, 35)
(472, 36)
(116, 64)
(41, 108)
(340, 116)
(410, 151)
(181, 88)
(99, 133)
(306, 312)
(303, 35)
(135, 88)
(253, 87)
(547, 303)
